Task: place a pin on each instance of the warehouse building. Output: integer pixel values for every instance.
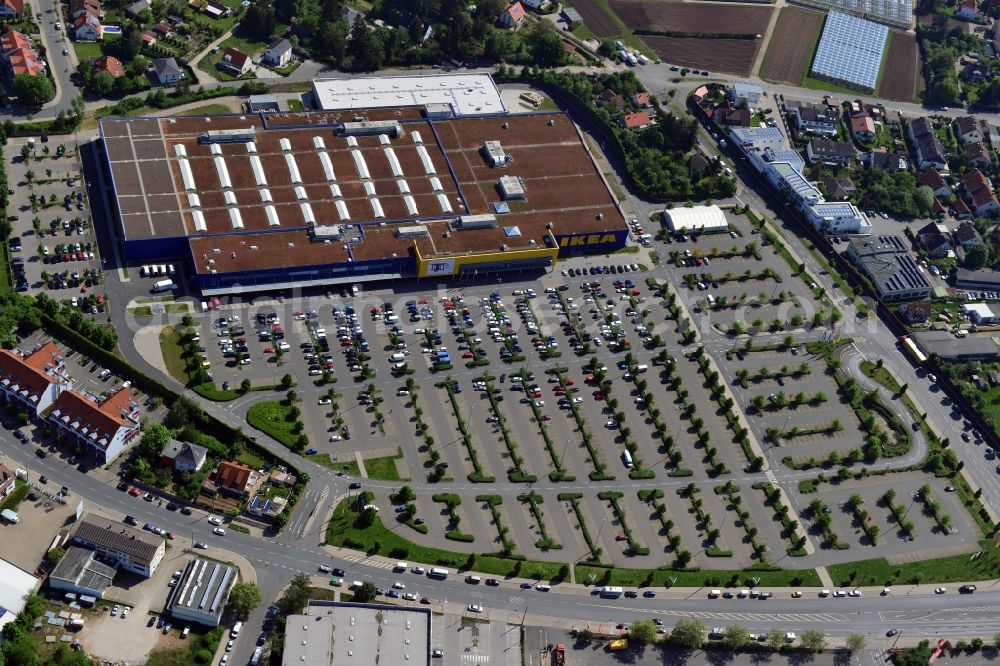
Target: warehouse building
(280, 200)
(459, 94)
(16, 585)
(201, 592)
(348, 634)
(79, 572)
(131, 549)
(696, 219)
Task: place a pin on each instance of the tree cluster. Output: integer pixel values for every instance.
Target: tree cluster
(897, 194)
(942, 45)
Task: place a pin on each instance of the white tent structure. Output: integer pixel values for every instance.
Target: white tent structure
(697, 219)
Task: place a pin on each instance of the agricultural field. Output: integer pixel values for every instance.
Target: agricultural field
(692, 18)
(596, 18)
(901, 69)
(732, 56)
(792, 44)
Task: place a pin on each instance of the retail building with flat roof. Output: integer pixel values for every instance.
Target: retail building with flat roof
(202, 591)
(255, 202)
(349, 634)
(460, 94)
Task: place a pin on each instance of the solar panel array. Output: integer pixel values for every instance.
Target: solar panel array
(897, 13)
(850, 51)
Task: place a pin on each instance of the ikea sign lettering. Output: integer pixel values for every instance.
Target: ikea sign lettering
(587, 239)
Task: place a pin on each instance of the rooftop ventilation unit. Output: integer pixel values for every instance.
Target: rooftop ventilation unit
(369, 128)
(413, 231)
(239, 135)
(494, 154)
(511, 188)
(476, 222)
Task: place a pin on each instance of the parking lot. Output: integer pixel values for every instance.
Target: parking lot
(581, 406)
(52, 245)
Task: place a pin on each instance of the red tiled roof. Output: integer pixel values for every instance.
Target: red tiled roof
(233, 475)
(932, 179)
(104, 418)
(14, 40)
(862, 123)
(960, 207)
(235, 58)
(641, 98)
(87, 6)
(111, 65)
(28, 372)
(973, 181)
(636, 119)
(16, 6)
(516, 11)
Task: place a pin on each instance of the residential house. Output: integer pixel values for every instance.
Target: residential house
(635, 120)
(697, 166)
(148, 39)
(18, 56)
(967, 236)
(280, 478)
(609, 96)
(278, 52)
(216, 10)
(235, 62)
(78, 8)
(32, 382)
(12, 10)
(933, 179)
(138, 6)
(727, 115)
(266, 507)
(109, 64)
(888, 162)
(915, 313)
(102, 429)
(7, 481)
(162, 29)
(979, 193)
(233, 478)
(87, 28)
(750, 93)
(829, 152)
(975, 72)
(512, 16)
(838, 189)
(977, 155)
(929, 151)
(863, 127)
(183, 456)
(968, 10)
(960, 211)
(642, 100)
(935, 240)
(166, 72)
(128, 548)
(969, 129)
(814, 118)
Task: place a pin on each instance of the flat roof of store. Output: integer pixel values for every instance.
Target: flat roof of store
(297, 172)
(466, 93)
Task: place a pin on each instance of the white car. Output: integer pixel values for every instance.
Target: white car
(229, 646)
(475, 608)
(220, 531)
(114, 611)
(410, 596)
(335, 438)
(418, 570)
(937, 590)
(215, 520)
(399, 585)
(125, 612)
(324, 401)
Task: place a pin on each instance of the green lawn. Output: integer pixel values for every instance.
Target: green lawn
(248, 458)
(199, 640)
(17, 495)
(956, 568)
(250, 47)
(273, 418)
(170, 346)
(880, 375)
(87, 50)
(295, 105)
(207, 110)
(583, 32)
(383, 469)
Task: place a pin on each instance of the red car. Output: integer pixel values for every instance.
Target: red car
(569, 382)
(467, 354)
(134, 492)
(546, 417)
(170, 535)
(424, 600)
(636, 292)
(268, 350)
(598, 396)
(346, 343)
(621, 537)
(79, 256)
(560, 392)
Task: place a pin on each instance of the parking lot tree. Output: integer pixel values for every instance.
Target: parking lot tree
(295, 597)
(25, 152)
(245, 385)
(287, 381)
(29, 176)
(736, 637)
(813, 640)
(688, 633)
(366, 593)
(642, 632)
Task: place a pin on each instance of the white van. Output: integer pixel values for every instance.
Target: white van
(627, 458)
(325, 568)
(714, 594)
(392, 319)
(473, 580)
(398, 356)
(400, 567)
(710, 299)
(144, 271)
(236, 630)
(641, 368)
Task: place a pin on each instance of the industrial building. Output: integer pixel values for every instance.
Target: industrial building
(16, 585)
(202, 591)
(131, 549)
(79, 572)
(348, 634)
(257, 202)
(887, 262)
(441, 94)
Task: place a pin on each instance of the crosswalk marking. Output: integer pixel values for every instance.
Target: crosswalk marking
(477, 658)
(771, 476)
(517, 601)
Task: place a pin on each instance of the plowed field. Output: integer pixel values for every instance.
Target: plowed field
(732, 56)
(703, 18)
(902, 68)
(791, 46)
(596, 19)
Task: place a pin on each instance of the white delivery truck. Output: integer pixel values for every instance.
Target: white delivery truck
(10, 516)
(163, 285)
